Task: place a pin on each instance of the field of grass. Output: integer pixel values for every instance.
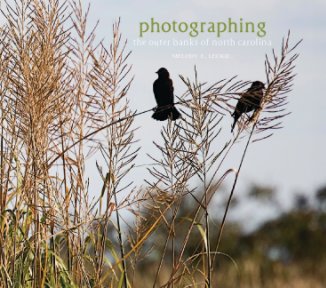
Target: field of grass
(64, 99)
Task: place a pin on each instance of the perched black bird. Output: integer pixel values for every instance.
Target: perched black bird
(249, 101)
(163, 91)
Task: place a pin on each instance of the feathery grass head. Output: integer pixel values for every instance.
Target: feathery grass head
(280, 74)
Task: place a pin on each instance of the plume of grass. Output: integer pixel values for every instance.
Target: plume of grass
(110, 80)
(54, 84)
(280, 75)
(187, 154)
(35, 90)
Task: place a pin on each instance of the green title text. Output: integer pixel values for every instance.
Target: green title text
(193, 29)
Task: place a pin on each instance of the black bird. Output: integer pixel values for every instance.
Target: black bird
(249, 101)
(163, 91)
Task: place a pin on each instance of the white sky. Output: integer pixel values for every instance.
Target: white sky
(294, 159)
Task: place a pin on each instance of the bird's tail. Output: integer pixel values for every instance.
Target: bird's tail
(233, 125)
(174, 114)
(236, 117)
(162, 114)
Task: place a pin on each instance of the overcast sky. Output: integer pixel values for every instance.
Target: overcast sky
(294, 159)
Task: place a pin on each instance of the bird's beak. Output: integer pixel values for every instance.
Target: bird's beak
(156, 72)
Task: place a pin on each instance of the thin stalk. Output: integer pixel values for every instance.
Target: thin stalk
(173, 221)
(122, 254)
(208, 246)
(67, 201)
(233, 188)
(101, 246)
(164, 250)
(2, 202)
